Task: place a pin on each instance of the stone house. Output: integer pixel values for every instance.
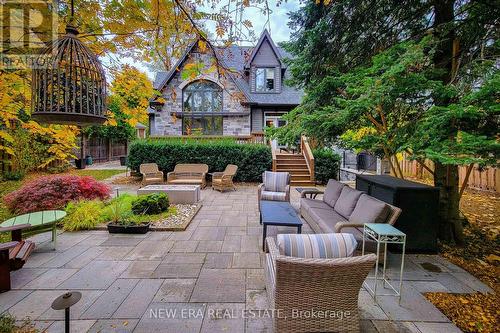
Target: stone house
(241, 96)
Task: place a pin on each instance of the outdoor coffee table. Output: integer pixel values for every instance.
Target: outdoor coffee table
(278, 213)
(36, 222)
(177, 194)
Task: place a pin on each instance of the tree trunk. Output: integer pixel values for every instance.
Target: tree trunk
(446, 176)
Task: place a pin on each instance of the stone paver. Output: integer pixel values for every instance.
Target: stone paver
(208, 278)
(76, 326)
(113, 326)
(138, 300)
(99, 274)
(111, 299)
(175, 290)
(220, 285)
(224, 317)
(172, 318)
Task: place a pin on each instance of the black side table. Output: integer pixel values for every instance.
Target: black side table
(311, 195)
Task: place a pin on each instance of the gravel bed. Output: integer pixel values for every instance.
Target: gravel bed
(184, 213)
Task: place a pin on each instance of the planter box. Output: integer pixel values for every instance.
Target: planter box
(80, 163)
(128, 229)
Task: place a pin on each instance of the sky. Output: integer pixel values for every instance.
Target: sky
(277, 26)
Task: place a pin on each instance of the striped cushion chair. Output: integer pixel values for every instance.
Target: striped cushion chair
(305, 272)
(275, 186)
(317, 245)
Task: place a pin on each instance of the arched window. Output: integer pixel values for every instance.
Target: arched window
(202, 96)
(201, 103)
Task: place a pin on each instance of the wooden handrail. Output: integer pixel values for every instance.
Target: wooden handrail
(308, 155)
(273, 151)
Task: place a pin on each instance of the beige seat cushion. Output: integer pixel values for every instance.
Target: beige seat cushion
(186, 181)
(332, 192)
(347, 201)
(369, 210)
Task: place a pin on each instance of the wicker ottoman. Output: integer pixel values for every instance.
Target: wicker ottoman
(177, 194)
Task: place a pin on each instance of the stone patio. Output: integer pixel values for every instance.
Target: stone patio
(198, 280)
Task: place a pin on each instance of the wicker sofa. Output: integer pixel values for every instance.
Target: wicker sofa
(344, 209)
(188, 174)
(300, 285)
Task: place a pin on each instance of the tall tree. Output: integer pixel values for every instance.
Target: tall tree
(335, 37)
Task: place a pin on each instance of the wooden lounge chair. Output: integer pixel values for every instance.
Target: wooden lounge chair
(188, 174)
(222, 181)
(151, 174)
(13, 254)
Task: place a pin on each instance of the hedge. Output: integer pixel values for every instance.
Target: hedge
(252, 159)
(326, 164)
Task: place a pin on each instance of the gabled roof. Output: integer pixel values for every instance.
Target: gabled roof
(263, 37)
(165, 77)
(236, 58)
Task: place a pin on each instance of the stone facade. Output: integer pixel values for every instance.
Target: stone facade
(236, 125)
(167, 121)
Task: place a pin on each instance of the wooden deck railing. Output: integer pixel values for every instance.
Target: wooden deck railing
(273, 152)
(308, 155)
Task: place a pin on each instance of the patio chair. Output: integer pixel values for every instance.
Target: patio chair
(222, 181)
(298, 285)
(151, 174)
(275, 187)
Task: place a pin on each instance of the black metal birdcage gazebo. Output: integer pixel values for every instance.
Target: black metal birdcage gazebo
(69, 84)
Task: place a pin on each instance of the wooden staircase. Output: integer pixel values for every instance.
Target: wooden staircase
(296, 165)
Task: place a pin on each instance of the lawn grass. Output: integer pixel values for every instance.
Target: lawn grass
(97, 174)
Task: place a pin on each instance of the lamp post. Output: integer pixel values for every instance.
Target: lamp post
(64, 302)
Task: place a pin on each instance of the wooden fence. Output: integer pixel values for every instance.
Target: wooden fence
(486, 179)
(101, 150)
(104, 150)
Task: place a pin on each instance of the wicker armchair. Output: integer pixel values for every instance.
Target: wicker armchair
(222, 181)
(276, 187)
(151, 174)
(329, 285)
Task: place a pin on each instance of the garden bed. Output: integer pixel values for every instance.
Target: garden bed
(177, 222)
(177, 218)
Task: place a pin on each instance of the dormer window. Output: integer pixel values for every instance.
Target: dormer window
(264, 79)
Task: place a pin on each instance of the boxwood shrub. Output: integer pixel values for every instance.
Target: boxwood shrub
(252, 159)
(326, 164)
(150, 204)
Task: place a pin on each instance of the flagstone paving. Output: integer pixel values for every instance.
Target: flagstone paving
(209, 278)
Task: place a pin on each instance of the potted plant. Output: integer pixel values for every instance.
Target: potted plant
(122, 221)
(123, 160)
